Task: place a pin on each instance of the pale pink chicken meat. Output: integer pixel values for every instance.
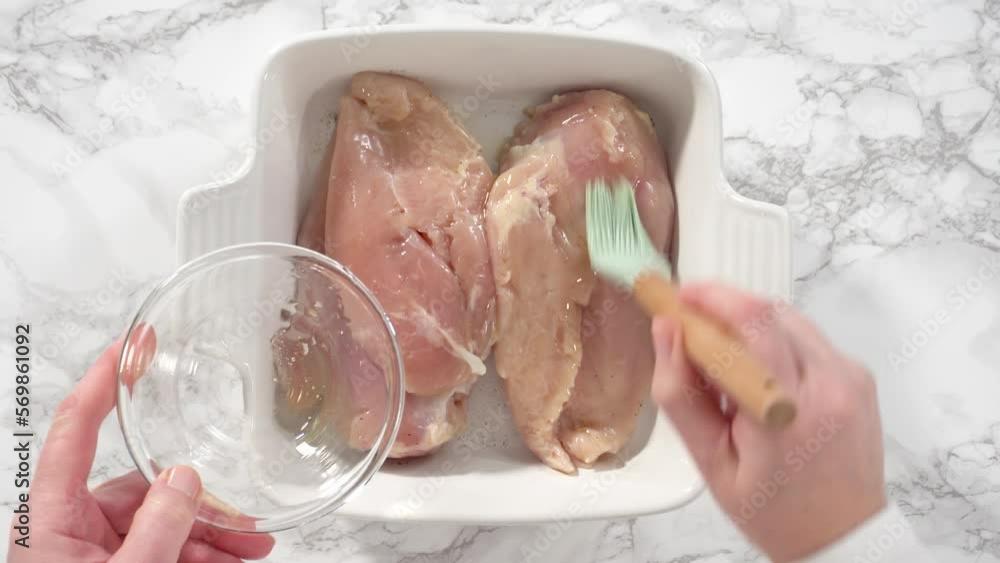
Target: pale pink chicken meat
(403, 210)
(574, 350)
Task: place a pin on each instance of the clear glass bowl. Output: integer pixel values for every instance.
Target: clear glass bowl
(272, 371)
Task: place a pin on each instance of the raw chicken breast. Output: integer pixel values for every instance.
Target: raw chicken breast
(404, 212)
(574, 351)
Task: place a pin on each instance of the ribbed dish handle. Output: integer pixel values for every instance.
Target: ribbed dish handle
(214, 216)
(754, 246)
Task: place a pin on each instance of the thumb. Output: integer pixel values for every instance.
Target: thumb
(685, 397)
(163, 522)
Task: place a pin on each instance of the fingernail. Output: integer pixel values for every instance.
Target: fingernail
(184, 479)
(146, 344)
(139, 355)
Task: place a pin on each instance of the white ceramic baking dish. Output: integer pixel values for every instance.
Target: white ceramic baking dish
(489, 75)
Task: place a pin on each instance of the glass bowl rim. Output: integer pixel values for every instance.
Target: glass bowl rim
(395, 393)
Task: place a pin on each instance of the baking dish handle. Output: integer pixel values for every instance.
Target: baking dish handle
(754, 245)
(215, 215)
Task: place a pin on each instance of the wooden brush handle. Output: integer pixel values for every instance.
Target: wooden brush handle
(745, 380)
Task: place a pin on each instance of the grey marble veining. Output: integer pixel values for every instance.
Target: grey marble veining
(876, 124)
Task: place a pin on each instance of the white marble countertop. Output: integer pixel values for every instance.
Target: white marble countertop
(877, 128)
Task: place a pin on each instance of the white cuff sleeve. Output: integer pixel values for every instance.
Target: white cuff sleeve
(887, 538)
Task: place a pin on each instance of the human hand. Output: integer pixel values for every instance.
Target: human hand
(792, 492)
(124, 520)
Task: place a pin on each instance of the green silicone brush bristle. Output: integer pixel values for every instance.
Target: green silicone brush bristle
(619, 246)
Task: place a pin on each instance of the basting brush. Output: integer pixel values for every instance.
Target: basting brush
(621, 251)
